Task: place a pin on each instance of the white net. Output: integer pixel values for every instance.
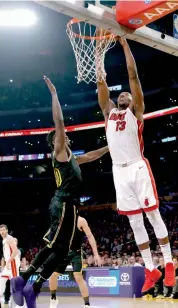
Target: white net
(89, 48)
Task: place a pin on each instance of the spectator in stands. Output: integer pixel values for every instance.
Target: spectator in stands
(156, 261)
(141, 262)
(117, 263)
(133, 262)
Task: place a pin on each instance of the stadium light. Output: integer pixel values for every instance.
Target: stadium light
(17, 18)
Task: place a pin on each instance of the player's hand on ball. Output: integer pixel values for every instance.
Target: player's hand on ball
(122, 40)
(51, 87)
(97, 260)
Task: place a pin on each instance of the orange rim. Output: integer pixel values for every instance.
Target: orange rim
(87, 37)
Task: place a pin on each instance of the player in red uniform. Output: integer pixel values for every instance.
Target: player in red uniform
(133, 179)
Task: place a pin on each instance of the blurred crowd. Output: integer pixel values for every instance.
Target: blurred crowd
(116, 245)
(114, 237)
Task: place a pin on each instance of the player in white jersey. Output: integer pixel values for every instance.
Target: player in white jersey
(11, 259)
(134, 182)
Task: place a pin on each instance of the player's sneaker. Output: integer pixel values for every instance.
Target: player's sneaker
(53, 303)
(30, 296)
(169, 280)
(161, 296)
(150, 280)
(17, 285)
(172, 296)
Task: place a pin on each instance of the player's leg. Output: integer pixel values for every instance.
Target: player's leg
(125, 179)
(63, 236)
(53, 289)
(53, 285)
(82, 287)
(57, 214)
(162, 235)
(53, 282)
(128, 204)
(7, 293)
(19, 283)
(148, 197)
(5, 284)
(3, 280)
(56, 209)
(77, 263)
(40, 258)
(142, 241)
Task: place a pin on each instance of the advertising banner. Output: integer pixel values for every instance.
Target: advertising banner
(102, 281)
(125, 282)
(66, 284)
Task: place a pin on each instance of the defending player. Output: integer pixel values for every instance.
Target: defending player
(134, 182)
(63, 212)
(75, 258)
(11, 262)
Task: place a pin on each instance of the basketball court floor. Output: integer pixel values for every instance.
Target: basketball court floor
(105, 302)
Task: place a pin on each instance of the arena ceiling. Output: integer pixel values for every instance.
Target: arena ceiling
(29, 53)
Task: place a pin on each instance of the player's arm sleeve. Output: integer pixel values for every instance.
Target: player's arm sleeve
(92, 156)
(135, 85)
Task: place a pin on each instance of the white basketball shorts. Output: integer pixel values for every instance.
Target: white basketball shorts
(135, 188)
(12, 271)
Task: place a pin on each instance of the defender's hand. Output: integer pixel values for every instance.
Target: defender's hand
(51, 87)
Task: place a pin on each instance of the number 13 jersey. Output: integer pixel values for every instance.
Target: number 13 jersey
(124, 136)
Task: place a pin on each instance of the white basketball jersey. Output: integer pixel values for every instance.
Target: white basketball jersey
(7, 251)
(124, 136)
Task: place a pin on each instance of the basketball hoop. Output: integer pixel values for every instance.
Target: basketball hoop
(89, 49)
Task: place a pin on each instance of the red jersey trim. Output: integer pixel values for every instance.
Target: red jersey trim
(134, 212)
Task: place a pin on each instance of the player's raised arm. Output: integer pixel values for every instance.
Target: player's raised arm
(106, 104)
(135, 85)
(92, 156)
(60, 136)
(86, 229)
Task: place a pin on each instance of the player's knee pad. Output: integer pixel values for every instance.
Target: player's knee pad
(158, 224)
(137, 225)
(3, 281)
